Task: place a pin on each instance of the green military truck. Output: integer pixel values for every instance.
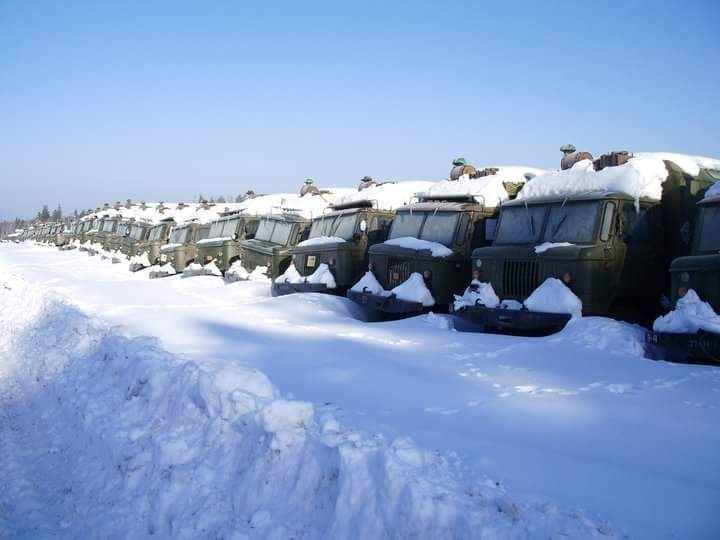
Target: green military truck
(67, 235)
(699, 272)
(340, 240)
(448, 229)
(148, 251)
(222, 245)
(180, 251)
(610, 249)
(135, 235)
(86, 226)
(106, 229)
(273, 242)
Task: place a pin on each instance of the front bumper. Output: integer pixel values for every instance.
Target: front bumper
(281, 289)
(700, 348)
(376, 304)
(481, 318)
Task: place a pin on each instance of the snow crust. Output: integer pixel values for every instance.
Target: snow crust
(552, 296)
(639, 177)
(323, 275)
(437, 249)
(688, 163)
(479, 293)
(413, 289)
(321, 241)
(690, 315)
(487, 190)
(545, 246)
(389, 196)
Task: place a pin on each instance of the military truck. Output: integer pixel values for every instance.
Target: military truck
(86, 226)
(222, 245)
(106, 228)
(610, 249)
(156, 238)
(66, 236)
(351, 229)
(135, 235)
(272, 245)
(180, 251)
(699, 272)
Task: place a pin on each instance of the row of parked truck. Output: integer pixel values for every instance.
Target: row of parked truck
(623, 252)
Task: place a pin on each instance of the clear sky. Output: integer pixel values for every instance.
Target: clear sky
(152, 100)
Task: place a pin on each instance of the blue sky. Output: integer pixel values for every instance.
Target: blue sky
(102, 101)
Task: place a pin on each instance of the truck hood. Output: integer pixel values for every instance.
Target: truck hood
(260, 246)
(214, 242)
(325, 248)
(559, 253)
(389, 250)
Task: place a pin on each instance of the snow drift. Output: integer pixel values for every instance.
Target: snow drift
(110, 436)
(690, 315)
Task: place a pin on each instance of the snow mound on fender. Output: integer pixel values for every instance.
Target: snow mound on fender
(690, 315)
(109, 436)
(236, 272)
(437, 249)
(639, 177)
(413, 289)
(554, 297)
(478, 293)
(291, 275)
(323, 275)
(369, 283)
(211, 269)
(259, 274)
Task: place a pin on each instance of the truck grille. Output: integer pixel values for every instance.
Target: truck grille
(520, 278)
(398, 271)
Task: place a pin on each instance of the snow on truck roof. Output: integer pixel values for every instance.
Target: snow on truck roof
(385, 196)
(488, 190)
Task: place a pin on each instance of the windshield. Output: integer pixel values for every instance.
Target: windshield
(137, 232)
(224, 228)
(345, 226)
(574, 222)
(407, 224)
(179, 236)
(230, 227)
(156, 232)
(431, 226)
(709, 229)
(322, 226)
(122, 229)
(520, 224)
(281, 234)
(87, 225)
(265, 229)
(107, 226)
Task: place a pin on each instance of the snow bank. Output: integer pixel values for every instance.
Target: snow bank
(639, 177)
(437, 249)
(211, 269)
(109, 436)
(542, 248)
(369, 283)
(487, 190)
(689, 164)
(323, 275)
(321, 240)
(142, 260)
(690, 315)
(291, 275)
(478, 293)
(413, 289)
(554, 297)
(389, 196)
(713, 191)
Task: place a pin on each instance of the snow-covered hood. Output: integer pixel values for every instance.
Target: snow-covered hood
(170, 247)
(262, 246)
(417, 252)
(217, 241)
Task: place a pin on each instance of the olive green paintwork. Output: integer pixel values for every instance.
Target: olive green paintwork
(347, 260)
(156, 238)
(225, 249)
(115, 242)
(700, 271)
(134, 238)
(181, 249)
(622, 265)
(85, 227)
(256, 252)
(66, 236)
(392, 265)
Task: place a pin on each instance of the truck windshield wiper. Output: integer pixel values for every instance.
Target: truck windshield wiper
(531, 225)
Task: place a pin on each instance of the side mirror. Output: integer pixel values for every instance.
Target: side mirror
(363, 225)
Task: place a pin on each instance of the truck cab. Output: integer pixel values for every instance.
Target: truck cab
(455, 224)
(136, 234)
(180, 251)
(156, 238)
(222, 245)
(273, 242)
(610, 249)
(340, 240)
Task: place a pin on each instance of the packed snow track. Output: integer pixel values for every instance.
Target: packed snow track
(191, 407)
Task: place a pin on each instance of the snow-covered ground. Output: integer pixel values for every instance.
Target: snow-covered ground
(253, 416)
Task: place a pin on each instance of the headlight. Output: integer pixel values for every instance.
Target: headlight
(427, 275)
(684, 277)
(567, 278)
(478, 263)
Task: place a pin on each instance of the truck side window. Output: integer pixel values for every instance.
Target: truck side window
(607, 221)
